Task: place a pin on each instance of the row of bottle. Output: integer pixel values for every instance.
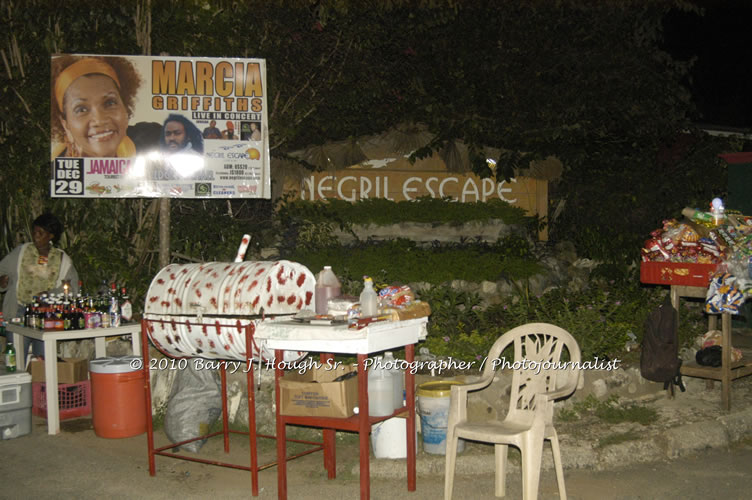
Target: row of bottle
(328, 286)
(65, 312)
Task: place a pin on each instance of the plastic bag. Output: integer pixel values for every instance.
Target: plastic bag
(723, 295)
(194, 404)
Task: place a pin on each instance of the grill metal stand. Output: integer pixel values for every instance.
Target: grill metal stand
(253, 436)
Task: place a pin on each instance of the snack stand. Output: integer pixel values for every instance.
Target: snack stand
(692, 279)
(50, 339)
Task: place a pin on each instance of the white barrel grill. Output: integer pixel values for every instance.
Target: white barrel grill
(202, 310)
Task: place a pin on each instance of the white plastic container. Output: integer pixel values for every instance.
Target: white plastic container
(369, 301)
(389, 438)
(15, 405)
(327, 287)
(380, 390)
(398, 379)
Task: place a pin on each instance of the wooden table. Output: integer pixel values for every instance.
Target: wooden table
(375, 337)
(50, 339)
(728, 371)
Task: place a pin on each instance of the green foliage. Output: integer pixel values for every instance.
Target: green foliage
(458, 326)
(610, 411)
(211, 230)
(308, 237)
(601, 317)
(380, 211)
(403, 261)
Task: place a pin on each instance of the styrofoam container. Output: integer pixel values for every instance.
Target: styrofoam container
(15, 405)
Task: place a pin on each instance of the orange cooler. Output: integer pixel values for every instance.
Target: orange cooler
(118, 396)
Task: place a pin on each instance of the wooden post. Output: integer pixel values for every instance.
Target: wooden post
(164, 232)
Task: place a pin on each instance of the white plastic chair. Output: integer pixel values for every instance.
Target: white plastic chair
(535, 386)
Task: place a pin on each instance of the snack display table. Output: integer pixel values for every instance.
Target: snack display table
(50, 339)
(330, 339)
(728, 370)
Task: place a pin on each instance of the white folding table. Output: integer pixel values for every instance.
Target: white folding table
(50, 339)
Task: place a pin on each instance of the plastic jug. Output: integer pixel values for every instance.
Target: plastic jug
(369, 301)
(398, 379)
(327, 286)
(380, 390)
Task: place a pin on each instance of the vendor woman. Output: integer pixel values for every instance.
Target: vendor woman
(35, 268)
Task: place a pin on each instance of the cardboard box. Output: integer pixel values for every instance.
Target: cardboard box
(314, 393)
(676, 273)
(69, 370)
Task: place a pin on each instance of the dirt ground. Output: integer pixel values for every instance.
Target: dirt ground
(78, 464)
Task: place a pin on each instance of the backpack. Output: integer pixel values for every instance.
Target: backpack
(659, 357)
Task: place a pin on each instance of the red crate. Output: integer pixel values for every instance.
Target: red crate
(676, 273)
(74, 400)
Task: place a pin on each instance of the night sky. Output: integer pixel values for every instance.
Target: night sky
(721, 80)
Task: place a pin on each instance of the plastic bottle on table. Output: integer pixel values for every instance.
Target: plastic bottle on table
(327, 286)
(718, 211)
(369, 301)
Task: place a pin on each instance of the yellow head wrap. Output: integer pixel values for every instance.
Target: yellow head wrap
(83, 67)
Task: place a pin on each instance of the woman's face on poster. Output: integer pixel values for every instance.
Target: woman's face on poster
(95, 117)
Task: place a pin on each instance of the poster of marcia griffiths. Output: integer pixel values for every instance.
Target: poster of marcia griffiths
(146, 126)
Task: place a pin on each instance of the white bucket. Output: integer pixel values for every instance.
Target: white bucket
(389, 438)
(433, 407)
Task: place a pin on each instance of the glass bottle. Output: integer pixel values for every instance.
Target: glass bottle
(113, 308)
(126, 308)
(10, 357)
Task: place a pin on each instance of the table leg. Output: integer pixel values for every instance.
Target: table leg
(147, 389)
(328, 435)
(364, 429)
(18, 342)
(225, 417)
(251, 401)
(410, 397)
(330, 453)
(50, 380)
(136, 343)
(100, 347)
(726, 361)
(281, 436)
